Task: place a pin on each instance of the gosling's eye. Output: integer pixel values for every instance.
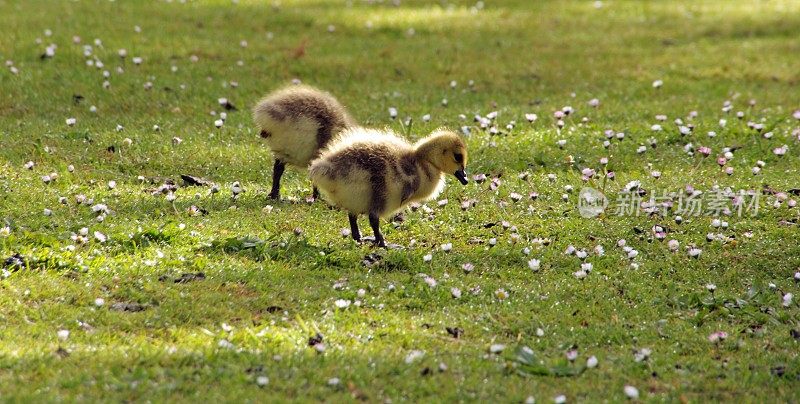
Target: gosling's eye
(459, 157)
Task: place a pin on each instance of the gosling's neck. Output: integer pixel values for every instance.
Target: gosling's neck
(430, 183)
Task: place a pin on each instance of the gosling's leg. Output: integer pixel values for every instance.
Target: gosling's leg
(277, 172)
(315, 193)
(374, 222)
(354, 227)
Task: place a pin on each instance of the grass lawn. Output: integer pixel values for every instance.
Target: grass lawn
(101, 292)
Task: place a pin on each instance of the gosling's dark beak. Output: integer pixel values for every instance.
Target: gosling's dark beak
(462, 177)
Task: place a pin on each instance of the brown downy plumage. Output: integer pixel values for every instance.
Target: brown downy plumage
(297, 122)
(375, 172)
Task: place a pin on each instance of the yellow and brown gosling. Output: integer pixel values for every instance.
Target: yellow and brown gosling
(297, 122)
(375, 172)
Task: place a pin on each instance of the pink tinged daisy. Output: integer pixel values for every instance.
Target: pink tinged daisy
(100, 237)
(468, 267)
(531, 117)
(455, 293)
(594, 103)
(71, 121)
(780, 151)
(591, 363)
(729, 170)
(673, 245)
(599, 250)
(787, 299)
(631, 392)
(721, 161)
(642, 354)
(580, 274)
(695, 252)
(496, 348)
(534, 264)
(571, 355)
(717, 336)
(658, 83)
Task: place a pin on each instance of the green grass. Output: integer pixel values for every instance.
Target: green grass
(275, 289)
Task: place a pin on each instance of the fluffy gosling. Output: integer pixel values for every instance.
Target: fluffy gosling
(297, 122)
(374, 172)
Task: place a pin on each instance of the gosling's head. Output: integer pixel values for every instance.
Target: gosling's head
(447, 152)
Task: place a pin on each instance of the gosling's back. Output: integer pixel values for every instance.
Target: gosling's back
(297, 121)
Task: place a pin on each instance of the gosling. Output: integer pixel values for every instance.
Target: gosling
(374, 172)
(297, 122)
